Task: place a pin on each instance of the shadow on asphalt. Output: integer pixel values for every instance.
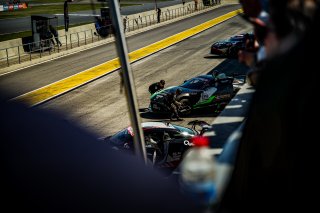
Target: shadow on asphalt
(214, 56)
(231, 66)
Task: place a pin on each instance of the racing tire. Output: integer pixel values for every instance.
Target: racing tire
(185, 108)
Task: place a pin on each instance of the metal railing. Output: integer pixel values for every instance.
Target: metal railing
(34, 50)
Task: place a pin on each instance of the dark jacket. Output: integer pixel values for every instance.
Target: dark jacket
(155, 87)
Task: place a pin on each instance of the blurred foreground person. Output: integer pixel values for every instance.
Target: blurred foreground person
(50, 165)
(276, 163)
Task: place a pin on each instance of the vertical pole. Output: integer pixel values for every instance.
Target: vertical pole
(91, 36)
(19, 54)
(126, 72)
(30, 51)
(58, 48)
(85, 37)
(78, 40)
(70, 41)
(40, 49)
(67, 42)
(7, 57)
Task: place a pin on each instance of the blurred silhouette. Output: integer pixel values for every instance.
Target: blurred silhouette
(275, 168)
(50, 165)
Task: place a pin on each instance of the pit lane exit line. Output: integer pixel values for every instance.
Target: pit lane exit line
(65, 85)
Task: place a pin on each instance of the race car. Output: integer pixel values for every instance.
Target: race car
(201, 91)
(231, 46)
(165, 142)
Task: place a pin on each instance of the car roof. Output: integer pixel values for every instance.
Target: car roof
(209, 77)
(148, 125)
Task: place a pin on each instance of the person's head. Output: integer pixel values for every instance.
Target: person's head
(178, 91)
(215, 73)
(162, 82)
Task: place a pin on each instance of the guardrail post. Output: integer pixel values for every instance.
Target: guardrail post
(19, 54)
(7, 57)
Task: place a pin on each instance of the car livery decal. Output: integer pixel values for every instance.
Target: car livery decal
(205, 102)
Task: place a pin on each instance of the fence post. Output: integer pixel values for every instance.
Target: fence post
(91, 36)
(78, 40)
(19, 54)
(7, 57)
(71, 41)
(66, 42)
(40, 49)
(85, 37)
(30, 51)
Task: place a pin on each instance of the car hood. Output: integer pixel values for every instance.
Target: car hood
(172, 89)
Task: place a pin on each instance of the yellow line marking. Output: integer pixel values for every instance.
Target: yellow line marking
(62, 86)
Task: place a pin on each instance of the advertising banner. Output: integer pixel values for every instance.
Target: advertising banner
(5, 7)
(24, 5)
(11, 7)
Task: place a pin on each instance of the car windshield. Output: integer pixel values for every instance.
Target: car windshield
(236, 38)
(195, 83)
(122, 137)
(184, 130)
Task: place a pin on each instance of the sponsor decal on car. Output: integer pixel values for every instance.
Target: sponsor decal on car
(187, 143)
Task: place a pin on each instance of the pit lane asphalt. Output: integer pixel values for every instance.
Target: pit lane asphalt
(100, 107)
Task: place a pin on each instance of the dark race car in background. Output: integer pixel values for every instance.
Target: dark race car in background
(231, 46)
(198, 92)
(165, 142)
